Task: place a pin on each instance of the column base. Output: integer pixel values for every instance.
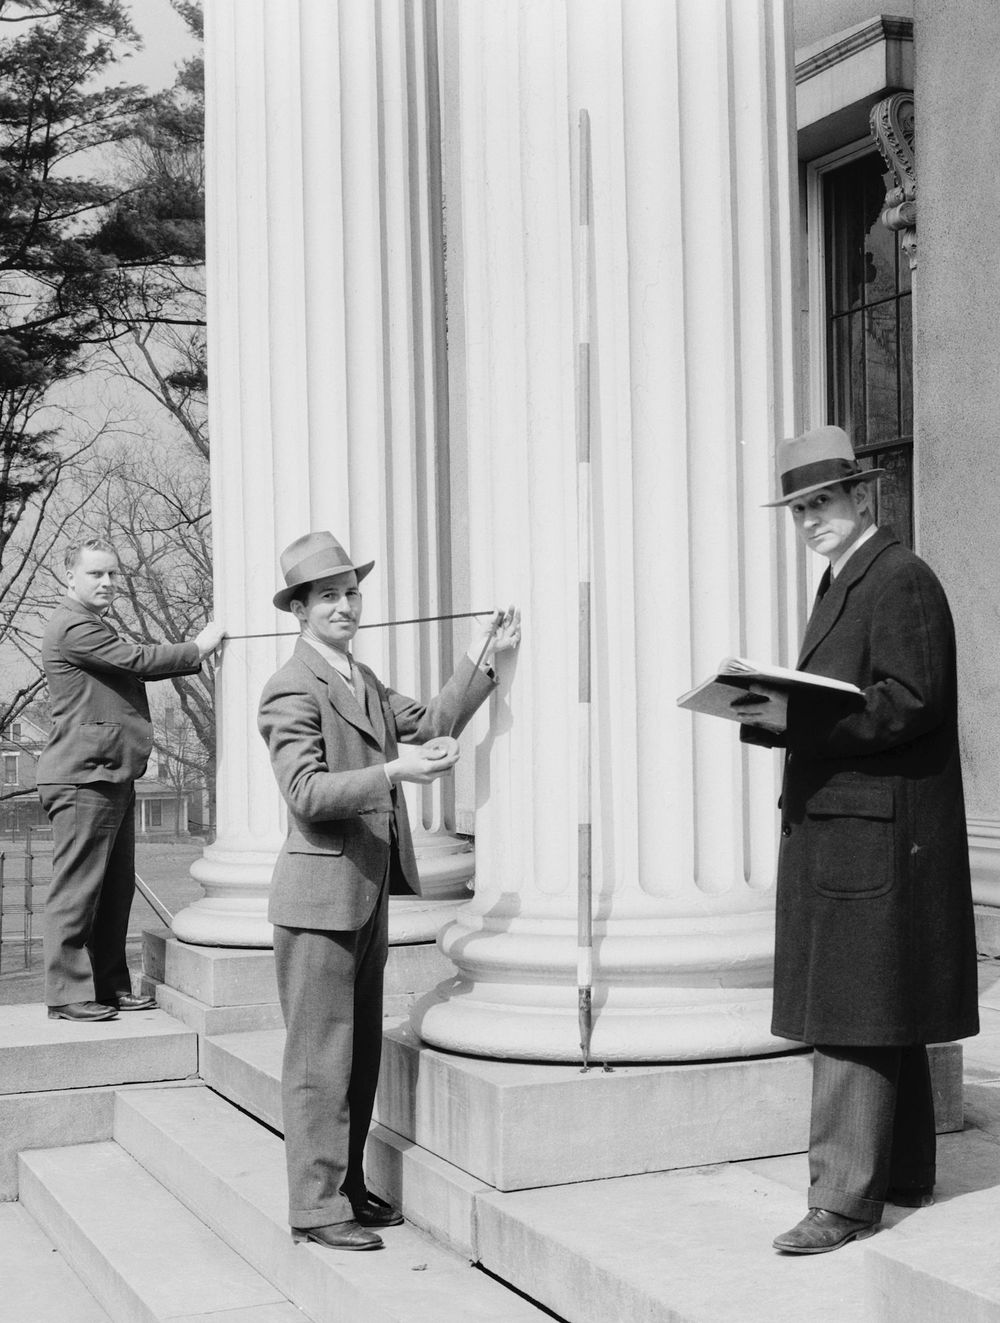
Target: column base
(683, 989)
(233, 911)
(446, 865)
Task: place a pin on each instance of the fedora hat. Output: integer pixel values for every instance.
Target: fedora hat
(311, 557)
(819, 458)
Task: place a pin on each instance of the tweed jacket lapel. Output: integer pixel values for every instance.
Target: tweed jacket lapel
(830, 604)
(338, 692)
(373, 703)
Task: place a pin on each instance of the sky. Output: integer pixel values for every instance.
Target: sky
(167, 43)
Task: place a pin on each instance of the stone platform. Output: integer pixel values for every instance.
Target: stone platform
(630, 1120)
(225, 990)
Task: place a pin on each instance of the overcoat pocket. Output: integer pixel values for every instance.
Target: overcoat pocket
(849, 840)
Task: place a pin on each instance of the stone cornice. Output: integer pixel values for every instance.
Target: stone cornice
(886, 27)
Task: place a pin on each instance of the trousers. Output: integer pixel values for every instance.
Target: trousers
(89, 898)
(872, 1127)
(330, 989)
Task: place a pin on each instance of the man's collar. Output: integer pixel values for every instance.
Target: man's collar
(77, 605)
(340, 661)
(837, 565)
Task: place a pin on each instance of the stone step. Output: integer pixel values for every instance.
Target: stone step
(246, 1069)
(142, 1254)
(944, 1269)
(38, 1283)
(50, 1120)
(231, 1172)
(38, 1054)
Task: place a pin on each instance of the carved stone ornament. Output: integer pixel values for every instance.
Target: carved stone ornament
(892, 122)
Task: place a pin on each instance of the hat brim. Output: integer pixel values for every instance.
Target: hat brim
(283, 599)
(849, 480)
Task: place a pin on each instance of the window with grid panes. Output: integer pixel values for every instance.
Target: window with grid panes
(869, 337)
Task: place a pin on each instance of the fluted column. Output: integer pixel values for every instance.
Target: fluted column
(692, 352)
(325, 386)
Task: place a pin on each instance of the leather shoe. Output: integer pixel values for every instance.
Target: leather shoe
(375, 1212)
(917, 1196)
(821, 1231)
(339, 1235)
(128, 1001)
(83, 1010)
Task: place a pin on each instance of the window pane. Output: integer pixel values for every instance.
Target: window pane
(881, 354)
(895, 500)
(869, 329)
(879, 243)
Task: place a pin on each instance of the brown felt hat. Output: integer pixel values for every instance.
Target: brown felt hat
(822, 457)
(311, 557)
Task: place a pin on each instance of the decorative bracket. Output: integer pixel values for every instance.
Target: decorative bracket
(892, 124)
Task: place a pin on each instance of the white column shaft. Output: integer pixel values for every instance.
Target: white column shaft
(692, 353)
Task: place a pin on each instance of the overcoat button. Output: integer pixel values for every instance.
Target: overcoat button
(786, 831)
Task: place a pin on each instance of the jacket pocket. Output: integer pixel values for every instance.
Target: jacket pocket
(849, 841)
(314, 842)
(100, 744)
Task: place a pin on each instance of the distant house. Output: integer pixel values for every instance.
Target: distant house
(161, 810)
(21, 741)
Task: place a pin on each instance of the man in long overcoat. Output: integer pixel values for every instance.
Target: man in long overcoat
(340, 743)
(875, 946)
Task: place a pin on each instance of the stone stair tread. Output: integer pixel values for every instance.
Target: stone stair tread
(38, 1054)
(141, 1252)
(260, 1048)
(943, 1264)
(669, 1247)
(231, 1171)
(38, 1283)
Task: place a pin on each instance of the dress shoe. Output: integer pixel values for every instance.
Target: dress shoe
(821, 1231)
(83, 1010)
(375, 1212)
(916, 1196)
(128, 1001)
(339, 1235)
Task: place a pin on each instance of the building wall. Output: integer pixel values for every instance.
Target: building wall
(957, 353)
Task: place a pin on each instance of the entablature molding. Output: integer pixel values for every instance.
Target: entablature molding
(840, 78)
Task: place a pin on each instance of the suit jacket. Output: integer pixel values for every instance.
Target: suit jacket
(100, 717)
(328, 757)
(875, 941)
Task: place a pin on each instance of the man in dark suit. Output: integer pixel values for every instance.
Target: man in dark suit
(333, 731)
(99, 744)
(875, 947)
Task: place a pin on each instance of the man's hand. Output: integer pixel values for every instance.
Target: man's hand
(762, 705)
(506, 636)
(423, 763)
(210, 638)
